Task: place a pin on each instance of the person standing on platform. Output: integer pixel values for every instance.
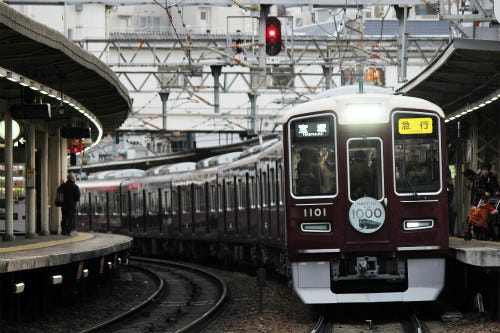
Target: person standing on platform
(71, 193)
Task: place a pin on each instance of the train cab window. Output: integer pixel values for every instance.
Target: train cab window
(365, 168)
(313, 158)
(417, 162)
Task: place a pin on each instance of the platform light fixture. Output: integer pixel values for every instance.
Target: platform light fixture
(480, 104)
(18, 288)
(56, 279)
(36, 86)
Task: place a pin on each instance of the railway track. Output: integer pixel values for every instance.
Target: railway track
(185, 300)
(345, 319)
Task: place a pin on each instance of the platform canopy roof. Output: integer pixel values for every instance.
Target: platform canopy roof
(35, 52)
(465, 75)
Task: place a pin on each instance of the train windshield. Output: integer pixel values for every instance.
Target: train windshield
(312, 155)
(417, 161)
(365, 168)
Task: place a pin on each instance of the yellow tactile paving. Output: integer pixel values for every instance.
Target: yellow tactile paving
(81, 236)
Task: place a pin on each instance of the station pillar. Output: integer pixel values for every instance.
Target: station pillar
(44, 182)
(9, 186)
(56, 160)
(30, 182)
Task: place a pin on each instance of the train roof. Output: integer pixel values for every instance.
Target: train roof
(116, 174)
(171, 168)
(371, 108)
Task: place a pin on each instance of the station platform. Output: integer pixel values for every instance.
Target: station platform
(54, 250)
(475, 252)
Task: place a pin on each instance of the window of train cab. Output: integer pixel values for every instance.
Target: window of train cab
(417, 161)
(312, 156)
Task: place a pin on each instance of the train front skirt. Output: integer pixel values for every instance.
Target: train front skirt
(313, 283)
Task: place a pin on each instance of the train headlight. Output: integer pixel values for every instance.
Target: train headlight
(316, 226)
(418, 224)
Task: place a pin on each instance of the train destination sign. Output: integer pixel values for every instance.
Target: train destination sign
(415, 125)
(306, 129)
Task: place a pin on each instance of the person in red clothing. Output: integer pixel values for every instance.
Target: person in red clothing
(479, 217)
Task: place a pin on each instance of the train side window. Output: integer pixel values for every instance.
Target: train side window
(417, 153)
(313, 160)
(365, 168)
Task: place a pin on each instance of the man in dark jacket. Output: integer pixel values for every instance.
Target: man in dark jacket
(484, 184)
(71, 193)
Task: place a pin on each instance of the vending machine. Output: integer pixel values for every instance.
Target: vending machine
(19, 194)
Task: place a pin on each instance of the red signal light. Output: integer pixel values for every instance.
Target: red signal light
(273, 36)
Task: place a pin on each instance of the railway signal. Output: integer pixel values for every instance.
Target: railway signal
(273, 36)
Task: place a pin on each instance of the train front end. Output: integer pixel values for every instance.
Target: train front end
(366, 208)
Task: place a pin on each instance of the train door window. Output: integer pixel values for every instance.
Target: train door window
(229, 196)
(125, 203)
(417, 154)
(213, 197)
(200, 198)
(116, 204)
(365, 168)
(313, 160)
(136, 203)
(251, 191)
(83, 205)
(99, 203)
(281, 188)
(167, 196)
(264, 189)
(242, 194)
(272, 187)
(175, 200)
(220, 201)
(186, 200)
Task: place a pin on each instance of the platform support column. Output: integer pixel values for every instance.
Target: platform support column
(164, 98)
(30, 183)
(253, 112)
(56, 161)
(216, 71)
(9, 198)
(44, 183)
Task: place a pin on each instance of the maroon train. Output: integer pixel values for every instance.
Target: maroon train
(351, 204)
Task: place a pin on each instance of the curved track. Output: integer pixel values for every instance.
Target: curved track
(186, 300)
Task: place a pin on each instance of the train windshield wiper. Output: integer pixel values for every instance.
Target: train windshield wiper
(412, 188)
